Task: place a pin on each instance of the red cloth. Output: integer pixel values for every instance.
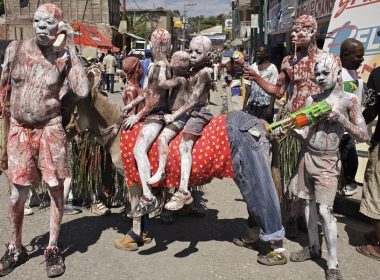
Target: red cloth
(211, 156)
(89, 35)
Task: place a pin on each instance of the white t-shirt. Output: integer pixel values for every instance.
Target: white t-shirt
(257, 94)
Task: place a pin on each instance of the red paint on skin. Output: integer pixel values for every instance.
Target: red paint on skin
(51, 9)
(37, 79)
(133, 70)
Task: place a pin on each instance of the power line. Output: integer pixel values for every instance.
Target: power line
(137, 5)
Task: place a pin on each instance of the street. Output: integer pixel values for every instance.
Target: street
(191, 248)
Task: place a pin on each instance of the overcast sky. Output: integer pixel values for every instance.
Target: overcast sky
(203, 7)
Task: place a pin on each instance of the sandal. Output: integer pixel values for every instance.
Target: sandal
(370, 251)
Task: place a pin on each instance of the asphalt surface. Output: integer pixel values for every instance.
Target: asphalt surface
(191, 248)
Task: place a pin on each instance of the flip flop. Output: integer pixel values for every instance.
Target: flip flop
(369, 251)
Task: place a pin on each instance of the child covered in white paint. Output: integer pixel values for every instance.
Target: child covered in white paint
(180, 65)
(319, 167)
(196, 108)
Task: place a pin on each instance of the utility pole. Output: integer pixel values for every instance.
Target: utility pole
(184, 23)
(124, 17)
(261, 23)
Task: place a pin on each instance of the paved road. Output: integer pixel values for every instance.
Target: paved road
(191, 248)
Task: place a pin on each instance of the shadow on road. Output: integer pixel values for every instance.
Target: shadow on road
(79, 234)
(355, 233)
(194, 230)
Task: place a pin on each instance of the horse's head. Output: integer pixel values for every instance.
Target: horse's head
(94, 113)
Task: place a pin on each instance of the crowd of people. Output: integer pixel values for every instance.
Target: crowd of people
(166, 95)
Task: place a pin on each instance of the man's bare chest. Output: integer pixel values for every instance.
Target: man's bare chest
(38, 70)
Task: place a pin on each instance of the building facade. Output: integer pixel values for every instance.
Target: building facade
(103, 13)
(147, 20)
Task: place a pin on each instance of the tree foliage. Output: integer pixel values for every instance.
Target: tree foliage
(142, 26)
(200, 23)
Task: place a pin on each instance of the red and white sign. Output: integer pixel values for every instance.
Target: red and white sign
(359, 20)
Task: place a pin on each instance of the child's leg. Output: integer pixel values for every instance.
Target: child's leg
(311, 216)
(186, 148)
(313, 251)
(182, 196)
(163, 148)
(331, 234)
(148, 133)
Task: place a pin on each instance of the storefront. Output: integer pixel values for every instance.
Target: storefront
(282, 12)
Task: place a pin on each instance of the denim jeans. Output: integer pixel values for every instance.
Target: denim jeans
(110, 78)
(250, 162)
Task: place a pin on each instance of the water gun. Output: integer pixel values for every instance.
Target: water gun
(303, 117)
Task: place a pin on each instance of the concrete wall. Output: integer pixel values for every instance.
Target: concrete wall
(19, 17)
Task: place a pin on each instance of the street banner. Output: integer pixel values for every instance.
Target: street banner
(359, 20)
(228, 24)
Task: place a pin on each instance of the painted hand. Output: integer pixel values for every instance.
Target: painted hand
(332, 116)
(129, 122)
(126, 110)
(66, 29)
(169, 118)
(277, 132)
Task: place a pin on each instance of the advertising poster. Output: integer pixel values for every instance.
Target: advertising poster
(359, 20)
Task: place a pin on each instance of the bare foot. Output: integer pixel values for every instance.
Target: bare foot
(159, 176)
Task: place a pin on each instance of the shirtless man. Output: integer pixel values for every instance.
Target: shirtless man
(296, 79)
(154, 110)
(297, 71)
(200, 115)
(320, 163)
(180, 65)
(37, 140)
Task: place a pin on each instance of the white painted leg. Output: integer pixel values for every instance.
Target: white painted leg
(311, 216)
(148, 133)
(186, 148)
(331, 234)
(134, 198)
(163, 149)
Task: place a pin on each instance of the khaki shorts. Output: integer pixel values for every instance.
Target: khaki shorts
(199, 118)
(321, 170)
(36, 152)
(370, 204)
(181, 122)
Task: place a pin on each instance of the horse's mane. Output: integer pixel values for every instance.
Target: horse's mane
(109, 111)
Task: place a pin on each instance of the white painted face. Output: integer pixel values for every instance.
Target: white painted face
(45, 26)
(200, 46)
(326, 72)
